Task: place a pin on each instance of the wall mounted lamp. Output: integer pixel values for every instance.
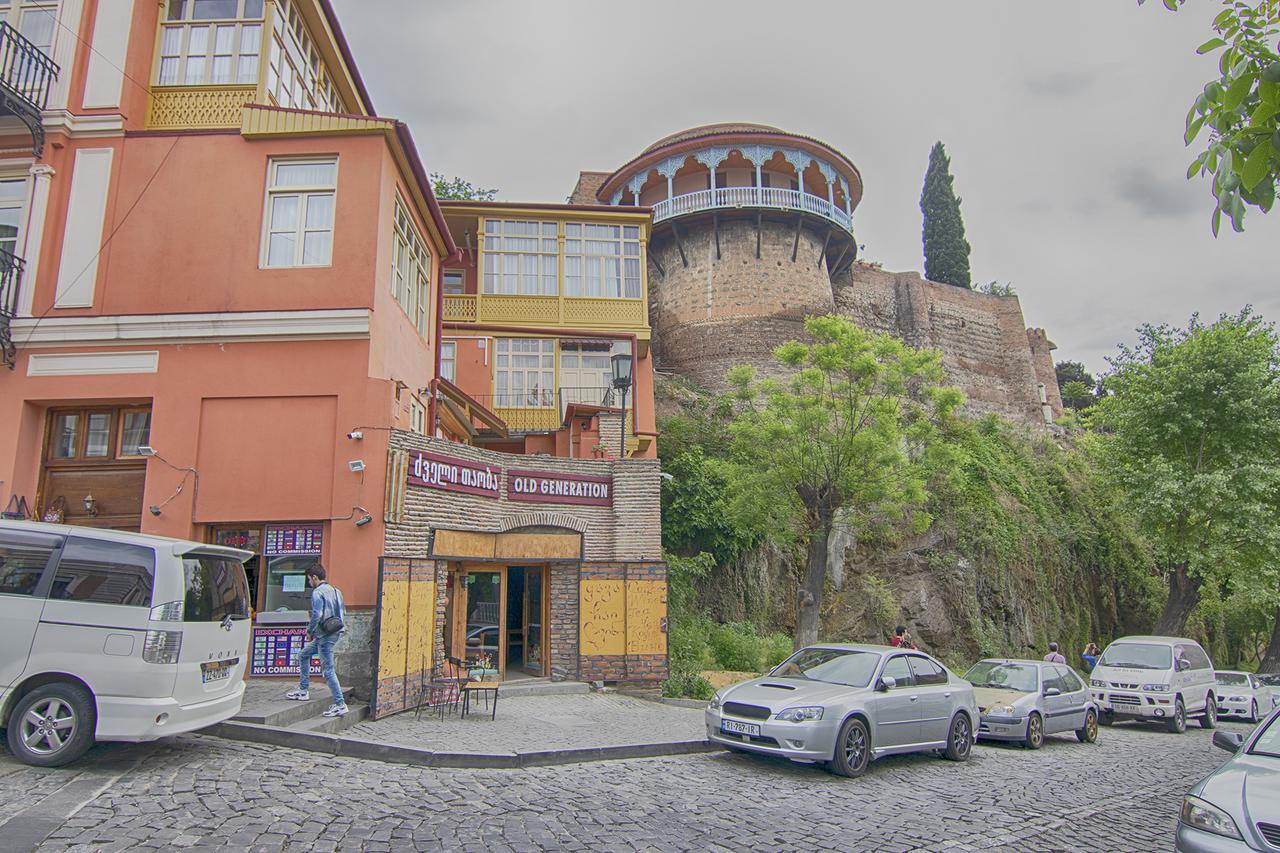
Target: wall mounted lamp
(90, 505)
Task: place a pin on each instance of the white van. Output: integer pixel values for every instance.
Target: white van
(115, 636)
(1162, 679)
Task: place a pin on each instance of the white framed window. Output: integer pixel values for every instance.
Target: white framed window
(455, 282)
(296, 74)
(417, 417)
(210, 42)
(410, 269)
(13, 207)
(520, 257)
(524, 372)
(602, 260)
(35, 19)
(298, 222)
(449, 360)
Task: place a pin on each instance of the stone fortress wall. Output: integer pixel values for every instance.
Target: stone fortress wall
(716, 313)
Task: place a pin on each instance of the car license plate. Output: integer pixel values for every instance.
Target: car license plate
(217, 670)
(734, 727)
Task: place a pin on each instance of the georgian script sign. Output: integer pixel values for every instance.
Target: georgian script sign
(545, 487)
(454, 475)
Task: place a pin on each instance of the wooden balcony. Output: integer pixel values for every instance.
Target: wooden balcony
(198, 107)
(735, 198)
(568, 311)
(26, 76)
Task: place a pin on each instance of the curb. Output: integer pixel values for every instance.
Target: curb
(700, 704)
(398, 754)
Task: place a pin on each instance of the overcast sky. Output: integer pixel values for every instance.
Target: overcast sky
(1063, 121)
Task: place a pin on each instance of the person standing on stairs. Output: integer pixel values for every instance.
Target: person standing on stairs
(328, 622)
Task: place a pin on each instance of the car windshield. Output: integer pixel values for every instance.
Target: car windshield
(1233, 679)
(1268, 742)
(1272, 680)
(1005, 676)
(835, 666)
(1137, 656)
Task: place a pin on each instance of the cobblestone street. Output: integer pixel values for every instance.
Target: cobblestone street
(198, 791)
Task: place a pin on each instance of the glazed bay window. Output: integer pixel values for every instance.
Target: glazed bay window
(296, 74)
(520, 257)
(602, 261)
(410, 269)
(299, 214)
(524, 374)
(210, 42)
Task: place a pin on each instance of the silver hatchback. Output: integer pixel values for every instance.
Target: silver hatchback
(843, 705)
(1024, 700)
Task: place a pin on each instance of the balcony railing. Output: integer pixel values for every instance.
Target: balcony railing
(10, 278)
(543, 410)
(26, 76)
(577, 311)
(740, 197)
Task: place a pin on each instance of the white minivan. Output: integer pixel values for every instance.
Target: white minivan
(115, 636)
(1157, 679)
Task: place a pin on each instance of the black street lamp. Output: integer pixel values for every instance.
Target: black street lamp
(622, 365)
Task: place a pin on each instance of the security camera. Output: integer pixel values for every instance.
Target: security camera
(146, 450)
(363, 520)
(355, 435)
(356, 465)
(155, 510)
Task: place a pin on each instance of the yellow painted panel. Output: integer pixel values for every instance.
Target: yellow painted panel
(531, 418)
(519, 309)
(187, 107)
(539, 545)
(391, 629)
(422, 622)
(605, 313)
(463, 543)
(262, 121)
(459, 309)
(602, 613)
(646, 617)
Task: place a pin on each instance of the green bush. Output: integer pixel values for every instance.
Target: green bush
(737, 647)
(687, 685)
(688, 645)
(777, 648)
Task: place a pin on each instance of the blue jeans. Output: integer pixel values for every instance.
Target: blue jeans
(324, 647)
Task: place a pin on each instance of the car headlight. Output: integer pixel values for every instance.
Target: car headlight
(800, 715)
(1236, 699)
(1196, 812)
(1002, 711)
(1094, 682)
(1156, 688)
(716, 701)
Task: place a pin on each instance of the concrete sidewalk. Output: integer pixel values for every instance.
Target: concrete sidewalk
(528, 731)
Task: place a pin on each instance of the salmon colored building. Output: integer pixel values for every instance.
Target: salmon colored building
(221, 318)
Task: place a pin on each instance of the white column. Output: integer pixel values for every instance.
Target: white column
(33, 235)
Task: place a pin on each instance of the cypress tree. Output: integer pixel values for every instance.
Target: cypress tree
(946, 252)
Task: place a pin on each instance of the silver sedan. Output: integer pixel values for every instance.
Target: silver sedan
(842, 705)
(1243, 694)
(1024, 700)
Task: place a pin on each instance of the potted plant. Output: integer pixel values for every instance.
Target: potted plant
(600, 451)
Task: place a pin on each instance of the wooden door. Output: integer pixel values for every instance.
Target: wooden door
(535, 626)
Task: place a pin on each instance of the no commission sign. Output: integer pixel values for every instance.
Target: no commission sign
(542, 487)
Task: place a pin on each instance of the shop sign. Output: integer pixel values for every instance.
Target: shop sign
(275, 651)
(246, 538)
(294, 540)
(545, 487)
(454, 475)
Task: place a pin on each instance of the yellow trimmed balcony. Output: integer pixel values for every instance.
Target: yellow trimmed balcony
(568, 311)
(198, 107)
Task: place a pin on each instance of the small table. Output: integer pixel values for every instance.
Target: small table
(485, 687)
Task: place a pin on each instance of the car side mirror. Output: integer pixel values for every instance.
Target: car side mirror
(1183, 664)
(1052, 691)
(1230, 741)
(887, 683)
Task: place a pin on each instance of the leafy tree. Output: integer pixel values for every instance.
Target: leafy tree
(1271, 660)
(1078, 387)
(849, 430)
(1241, 109)
(457, 189)
(946, 252)
(1192, 438)
(997, 288)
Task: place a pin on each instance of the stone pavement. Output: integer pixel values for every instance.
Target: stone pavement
(529, 723)
(1120, 794)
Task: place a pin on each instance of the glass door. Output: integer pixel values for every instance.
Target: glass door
(534, 635)
(485, 618)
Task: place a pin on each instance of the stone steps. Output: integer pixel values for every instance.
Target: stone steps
(286, 712)
(542, 687)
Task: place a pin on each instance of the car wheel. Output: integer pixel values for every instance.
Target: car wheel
(960, 739)
(1089, 732)
(1107, 719)
(1253, 711)
(853, 749)
(1177, 724)
(1209, 719)
(1035, 732)
(52, 725)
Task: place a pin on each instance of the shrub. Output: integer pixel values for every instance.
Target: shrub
(737, 647)
(687, 685)
(687, 644)
(777, 648)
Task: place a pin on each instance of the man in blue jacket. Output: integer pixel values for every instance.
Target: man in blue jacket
(328, 622)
